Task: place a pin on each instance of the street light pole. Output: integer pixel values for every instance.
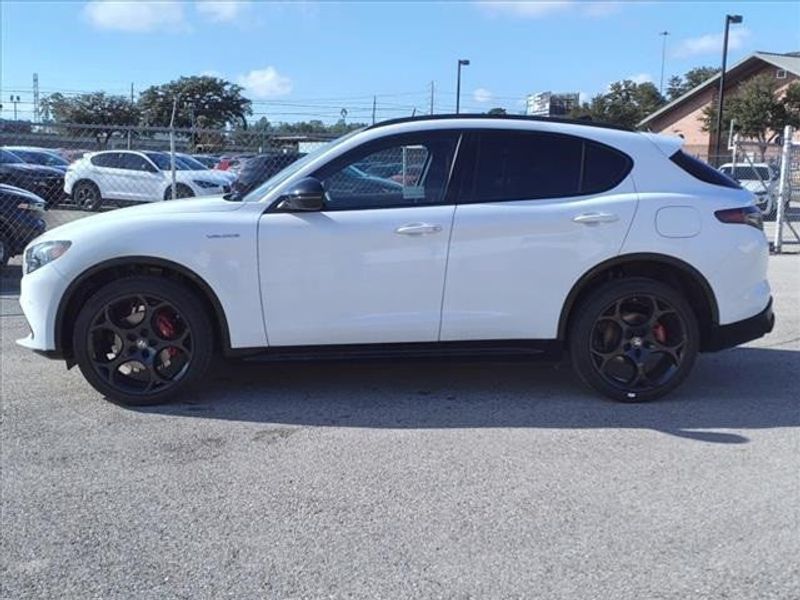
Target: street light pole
(729, 19)
(14, 101)
(663, 34)
(462, 62)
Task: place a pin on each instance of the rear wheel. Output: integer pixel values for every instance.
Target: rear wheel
(4, 250)
(182, 191)
(143, 340)
(634, 340)
(86, 196)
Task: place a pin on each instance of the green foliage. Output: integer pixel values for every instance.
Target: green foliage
(213, 102)
(626, 103)
(497, 111)
(96, 108)
(758, 112)
(677, 86)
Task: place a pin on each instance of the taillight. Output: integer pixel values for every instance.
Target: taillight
(746, 215)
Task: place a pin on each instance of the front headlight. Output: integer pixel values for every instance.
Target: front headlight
(206, 184)
(39, 255)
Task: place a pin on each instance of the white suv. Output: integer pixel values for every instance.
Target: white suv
(483, 234)
(131, 176)
(759, 178)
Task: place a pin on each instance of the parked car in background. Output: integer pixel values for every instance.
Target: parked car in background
(39, 156)
(518, 235)
(124, 176)
(20, 220)
(45, 182)
(232, 163)
(759, 178)
(259, 168)
(192, 164)
(206, 159)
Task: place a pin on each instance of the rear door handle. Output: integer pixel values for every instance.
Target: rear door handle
(418, 229)
(595, 217)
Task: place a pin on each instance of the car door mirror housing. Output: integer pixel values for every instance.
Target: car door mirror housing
(306, 195)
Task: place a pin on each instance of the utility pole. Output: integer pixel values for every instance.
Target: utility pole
(14, 100)
(462, 62)
(735, 19)
(664, 35)
(431, 97)
(35, 97)
(374, 104)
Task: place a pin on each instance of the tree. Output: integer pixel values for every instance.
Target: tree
(210, 100)
(677, 86)
(497, 111)
(110, 113)
(626, 103)
(758, 112)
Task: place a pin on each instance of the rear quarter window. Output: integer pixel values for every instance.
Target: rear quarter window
(702, 171)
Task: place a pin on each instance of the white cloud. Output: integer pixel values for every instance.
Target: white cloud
(265, 83)
(711, 43)
(536, 9)
(135, 16)
(220, 11)
(641, 78)
(482, 96)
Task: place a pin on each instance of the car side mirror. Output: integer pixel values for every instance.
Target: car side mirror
(306, 195)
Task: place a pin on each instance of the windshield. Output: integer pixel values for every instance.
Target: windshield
(163, 161)
(41, 158)
(284, 174)
(7, 158)
(191, 163)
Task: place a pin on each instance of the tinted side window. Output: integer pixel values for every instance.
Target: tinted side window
(110, 159)
(700, 170)
(133, 162)
(603, 168)
(404, 170)
(521, 166)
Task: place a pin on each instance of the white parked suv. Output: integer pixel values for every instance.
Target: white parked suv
(489, 235)
(759, 178)
(132, 176)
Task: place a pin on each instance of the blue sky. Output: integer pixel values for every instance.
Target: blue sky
(311, 59)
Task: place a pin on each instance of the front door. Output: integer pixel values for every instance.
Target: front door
(369, 267)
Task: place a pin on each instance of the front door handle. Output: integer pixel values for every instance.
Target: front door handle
(596, 217)
(418, 229)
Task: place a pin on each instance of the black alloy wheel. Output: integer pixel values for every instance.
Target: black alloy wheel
(142, 340)
(635, 340)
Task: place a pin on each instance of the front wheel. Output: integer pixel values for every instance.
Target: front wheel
(634, 340)
(142, 340)
(181, 191)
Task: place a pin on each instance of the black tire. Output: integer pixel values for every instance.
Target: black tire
(634, 340)
(4, 251)
(182, 190)
(128, 354)
(86, 196)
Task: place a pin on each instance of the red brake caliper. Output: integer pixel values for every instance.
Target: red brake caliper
(660, 333)
(166, 328)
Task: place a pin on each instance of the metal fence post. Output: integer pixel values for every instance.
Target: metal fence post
(784, 188)
(172, 147)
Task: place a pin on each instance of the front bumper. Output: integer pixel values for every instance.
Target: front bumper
(733, 334)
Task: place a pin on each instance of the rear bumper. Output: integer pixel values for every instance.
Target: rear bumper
(733, 334)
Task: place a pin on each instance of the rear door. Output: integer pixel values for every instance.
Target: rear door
(539, 210)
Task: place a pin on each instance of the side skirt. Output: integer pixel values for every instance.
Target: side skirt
(497, 350)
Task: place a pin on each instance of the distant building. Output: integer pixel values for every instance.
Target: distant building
(548, 104)
(684, 115)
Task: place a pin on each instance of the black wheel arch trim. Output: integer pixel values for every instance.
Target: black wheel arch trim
(623, 259)
(141, 261)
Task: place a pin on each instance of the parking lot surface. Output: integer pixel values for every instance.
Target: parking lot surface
(422, 479)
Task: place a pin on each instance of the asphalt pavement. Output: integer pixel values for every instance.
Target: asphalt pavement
(423, 479)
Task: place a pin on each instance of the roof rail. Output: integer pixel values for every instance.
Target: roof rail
(580, 121)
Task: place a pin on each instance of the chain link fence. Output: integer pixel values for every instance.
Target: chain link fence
(51, 174)
(55, 173)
